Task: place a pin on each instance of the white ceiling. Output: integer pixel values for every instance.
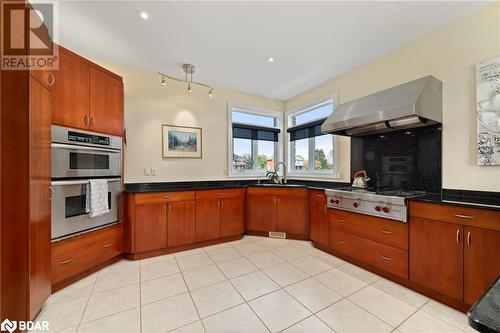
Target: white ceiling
(230, 42)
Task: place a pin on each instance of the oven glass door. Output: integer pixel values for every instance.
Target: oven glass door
(69, 214)
(78, 161)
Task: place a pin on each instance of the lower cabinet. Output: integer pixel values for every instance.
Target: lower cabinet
(261, 211)
(76, 255)
(151, 233)
(232, 214)
(318, 216)
(180, 223)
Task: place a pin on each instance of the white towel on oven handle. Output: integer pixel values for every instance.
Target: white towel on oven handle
(98, 197)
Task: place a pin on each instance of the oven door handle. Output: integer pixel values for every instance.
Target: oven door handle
(87, 148)
(79, 182)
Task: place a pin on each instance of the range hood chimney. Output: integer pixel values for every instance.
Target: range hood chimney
(413, 104)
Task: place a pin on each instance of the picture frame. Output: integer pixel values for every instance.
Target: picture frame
(181, 141)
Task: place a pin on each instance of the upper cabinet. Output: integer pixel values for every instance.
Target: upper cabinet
(86, 96)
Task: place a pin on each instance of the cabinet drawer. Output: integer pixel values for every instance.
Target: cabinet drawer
(75, 255)
(474, 217)
(384, 257)
(382, 230)
(279, 191)
(158, 197)
(219, 194)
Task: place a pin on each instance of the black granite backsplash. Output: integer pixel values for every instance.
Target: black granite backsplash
(407, 159)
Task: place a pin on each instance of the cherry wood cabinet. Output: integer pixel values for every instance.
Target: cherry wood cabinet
(481, 261)
(86, 96)
(436, 256)
(278, 209)
(232, 214)
(207, 219)
(180, 223)
(151, 233)
(318, 217)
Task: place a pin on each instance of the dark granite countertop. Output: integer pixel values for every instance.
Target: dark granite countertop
(463, 198)
(207, 185)
(484, 316)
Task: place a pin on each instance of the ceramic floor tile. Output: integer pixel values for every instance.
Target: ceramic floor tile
(249, 249)
(289, 252)
(188, 252)
(223, 254)
(203, 276)
(449, 315)
(310, 265)
(239, 319)
(279, 310)
(342, 283)
(309, 325)
(407, 295)
(194, 261)
(345, 316)
(64, 314)
(168, 314)
(124, 322)
(167, 286)
(118, 275)
(390, 309)
(422, 322)
(359, 273)
(156, 269)
(195, 327)
(313, 295)
(236, 267)
(329, 259)
(253, 285)
(215, 298)
(111, 302)
(78, 289)
(265, 259)
(304, 246)
(285, 274)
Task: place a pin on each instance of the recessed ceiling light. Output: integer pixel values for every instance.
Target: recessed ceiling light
(270, 59)
(143, 15)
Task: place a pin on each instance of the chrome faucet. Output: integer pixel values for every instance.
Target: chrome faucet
(284, 171)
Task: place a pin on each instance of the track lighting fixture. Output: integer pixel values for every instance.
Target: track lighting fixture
(189, 71)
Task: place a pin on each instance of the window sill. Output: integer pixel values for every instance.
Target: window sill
(322, 176)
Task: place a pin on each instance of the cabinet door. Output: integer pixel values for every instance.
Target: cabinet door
(150, 227)
(70, 91)
(181, 222)
(231, 216)
(436, 256)
(207, 219)
(40, 195)
(261, 212)
(293, 215)
(106, 102)
(481, 261)
(318, 217)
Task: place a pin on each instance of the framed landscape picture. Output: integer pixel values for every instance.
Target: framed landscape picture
(181, 141)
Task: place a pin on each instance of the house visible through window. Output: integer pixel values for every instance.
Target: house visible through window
(310, 151)
(254, 141)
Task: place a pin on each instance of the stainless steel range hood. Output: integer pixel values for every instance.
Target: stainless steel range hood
(413, 104)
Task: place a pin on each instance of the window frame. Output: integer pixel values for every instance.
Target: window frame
(311, 172)
(278, 151)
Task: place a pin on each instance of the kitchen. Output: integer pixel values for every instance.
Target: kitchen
(343, 195)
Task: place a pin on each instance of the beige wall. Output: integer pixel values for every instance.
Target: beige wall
(449, 54)
(148, 105)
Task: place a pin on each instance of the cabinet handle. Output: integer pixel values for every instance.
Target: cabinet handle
(342, 221)
(107, 245)
(86, 120)
(64, 262)
(463, 216)
(92, 121)
(385, 231)
(458, 236)
(320, 195)
(342, 242)
(222, 204)
(166, 198)
(51, 193)
(384, 257)
(52, 79)
(169, 209)
(325, 209)
(220, 193)
(468, 238)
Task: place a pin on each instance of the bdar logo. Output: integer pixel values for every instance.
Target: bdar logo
(9, 326)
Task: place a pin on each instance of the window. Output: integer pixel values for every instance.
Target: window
(311, 153)
(254, 141)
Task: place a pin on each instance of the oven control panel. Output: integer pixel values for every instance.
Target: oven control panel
(88, 138)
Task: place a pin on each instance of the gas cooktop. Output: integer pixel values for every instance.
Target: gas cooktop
(405, 193)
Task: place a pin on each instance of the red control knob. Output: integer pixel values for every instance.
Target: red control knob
(378, 208)
(337, 201)
(355, 204)
(386, 209)
(332, 201)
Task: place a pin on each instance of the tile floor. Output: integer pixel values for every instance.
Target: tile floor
(251, 285)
